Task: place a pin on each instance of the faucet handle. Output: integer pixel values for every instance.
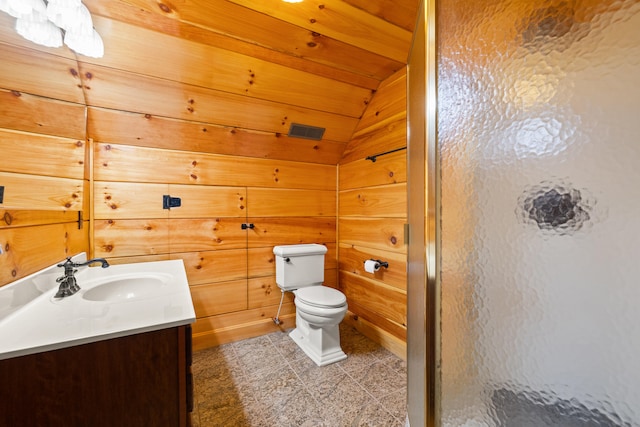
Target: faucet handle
(66, 263)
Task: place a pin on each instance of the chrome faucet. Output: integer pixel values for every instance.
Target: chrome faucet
(68, 283)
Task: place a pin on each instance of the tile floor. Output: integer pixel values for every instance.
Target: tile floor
(268, 381)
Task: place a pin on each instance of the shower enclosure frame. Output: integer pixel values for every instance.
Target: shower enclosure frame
(544, 330)
(423, 281)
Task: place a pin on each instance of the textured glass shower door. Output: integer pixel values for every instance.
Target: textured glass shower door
(539, 145)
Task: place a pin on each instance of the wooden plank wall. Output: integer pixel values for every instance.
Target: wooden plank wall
(372, 211)
(212, 133)
(224, 176)
(231, 271)
(110, 137)
(43, 166)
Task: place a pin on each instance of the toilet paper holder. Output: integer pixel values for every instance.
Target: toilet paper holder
(379, 262)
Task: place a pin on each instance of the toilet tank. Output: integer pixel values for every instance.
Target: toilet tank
(298, 266)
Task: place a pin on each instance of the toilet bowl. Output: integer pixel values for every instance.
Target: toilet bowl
(319, 309)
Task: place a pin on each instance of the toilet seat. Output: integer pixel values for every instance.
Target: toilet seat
(321, 297)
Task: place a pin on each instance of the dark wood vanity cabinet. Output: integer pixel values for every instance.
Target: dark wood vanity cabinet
(137, 380)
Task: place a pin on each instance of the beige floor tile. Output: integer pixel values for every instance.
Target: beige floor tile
(269, 381)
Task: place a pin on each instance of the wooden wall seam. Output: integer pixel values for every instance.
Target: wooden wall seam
(372, 211)
(91, 208)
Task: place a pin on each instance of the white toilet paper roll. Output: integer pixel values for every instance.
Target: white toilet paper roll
(371, 266)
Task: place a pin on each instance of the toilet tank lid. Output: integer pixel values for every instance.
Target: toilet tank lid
(299, 250)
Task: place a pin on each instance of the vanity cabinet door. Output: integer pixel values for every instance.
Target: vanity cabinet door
(138, 380)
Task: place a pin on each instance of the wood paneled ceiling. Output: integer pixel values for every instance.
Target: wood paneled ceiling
(245, 67)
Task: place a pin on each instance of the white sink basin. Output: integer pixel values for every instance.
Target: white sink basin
(128, 287)
(121, 300)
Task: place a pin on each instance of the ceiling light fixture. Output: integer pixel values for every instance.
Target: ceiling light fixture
(45, 23)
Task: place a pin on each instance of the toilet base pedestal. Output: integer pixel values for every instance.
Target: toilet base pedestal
(322, 345)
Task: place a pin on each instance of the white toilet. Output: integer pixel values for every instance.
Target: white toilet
(319, 309)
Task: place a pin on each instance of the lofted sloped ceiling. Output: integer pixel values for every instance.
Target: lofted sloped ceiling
(228, 76)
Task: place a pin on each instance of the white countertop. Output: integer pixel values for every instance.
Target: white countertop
(32, 320)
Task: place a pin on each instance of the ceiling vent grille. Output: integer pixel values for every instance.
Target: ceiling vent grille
(307, 132)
